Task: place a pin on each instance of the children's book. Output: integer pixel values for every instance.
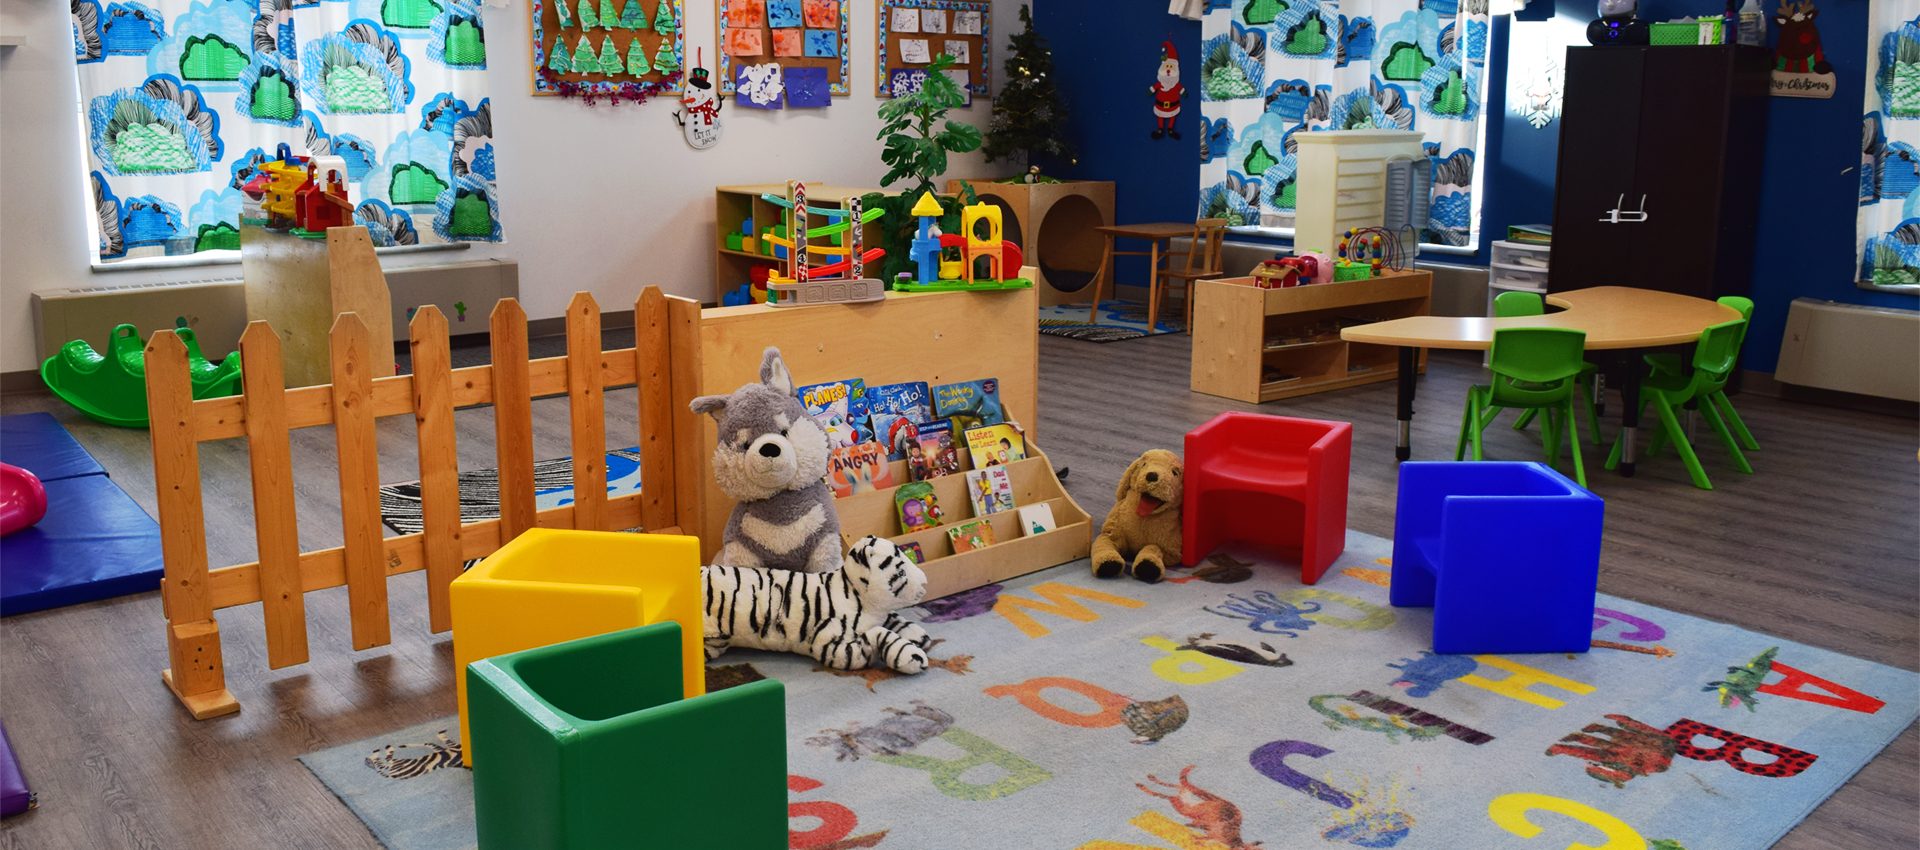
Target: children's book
(913, 553)
(860, 468)
(991, 490)
(918, 507)
(971, 535)
(840, 407)
(996, 445)
(938, 455)
(975, 403)
(1036, 519)
(894, 411)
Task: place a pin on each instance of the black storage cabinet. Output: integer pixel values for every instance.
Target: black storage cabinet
(1685, 128)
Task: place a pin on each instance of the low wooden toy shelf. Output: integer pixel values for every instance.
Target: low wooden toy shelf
(1015, 553)
(1234, 323)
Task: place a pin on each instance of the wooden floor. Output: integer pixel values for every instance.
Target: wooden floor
(1821, 546)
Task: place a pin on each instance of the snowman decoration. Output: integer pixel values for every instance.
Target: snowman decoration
(1167, 92)
(699, 115)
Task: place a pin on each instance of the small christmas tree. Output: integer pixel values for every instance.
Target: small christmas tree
(608, 20)
(666, 60)
(663, 21)
(557, 59)
(585, 60)
(1028, 116)
(632, 17)
(637, 58)
(588, 20)
(610, 58)
(565, 12)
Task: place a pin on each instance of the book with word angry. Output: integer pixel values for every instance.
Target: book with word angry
(859, 468)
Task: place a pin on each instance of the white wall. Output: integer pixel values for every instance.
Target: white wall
(605, 199)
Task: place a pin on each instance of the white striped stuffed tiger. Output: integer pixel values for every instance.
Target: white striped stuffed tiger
(841, 618)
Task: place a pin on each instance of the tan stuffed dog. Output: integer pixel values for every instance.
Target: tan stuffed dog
(1142, 532)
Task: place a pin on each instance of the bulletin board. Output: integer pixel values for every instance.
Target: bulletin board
(938, 26)
(815, 24)
(633, 21)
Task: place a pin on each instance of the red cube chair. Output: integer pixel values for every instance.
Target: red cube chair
(1270, 480)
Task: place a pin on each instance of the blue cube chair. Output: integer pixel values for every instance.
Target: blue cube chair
(591, 745)
(1506, 553)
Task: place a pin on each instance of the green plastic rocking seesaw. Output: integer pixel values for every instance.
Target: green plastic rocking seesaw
(113, 388)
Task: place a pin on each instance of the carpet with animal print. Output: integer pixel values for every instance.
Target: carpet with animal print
(1233, 707)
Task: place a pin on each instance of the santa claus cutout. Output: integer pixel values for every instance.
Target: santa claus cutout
(1167, 92)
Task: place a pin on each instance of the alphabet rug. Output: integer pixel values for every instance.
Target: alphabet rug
(1233, 707)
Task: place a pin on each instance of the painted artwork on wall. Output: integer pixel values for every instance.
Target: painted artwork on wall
(617, 49)
(910, 34)
(799, 33)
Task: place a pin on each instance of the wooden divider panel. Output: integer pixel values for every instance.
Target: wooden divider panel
(512, 417)
(359, 461)
(691, 446)
(439, 460)
(652, 352)
(587, 412)
(275, 523)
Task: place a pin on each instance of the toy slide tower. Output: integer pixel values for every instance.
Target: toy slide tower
(988, 247)
(926, 246)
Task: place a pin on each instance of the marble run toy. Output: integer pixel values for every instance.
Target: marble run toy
(929, 242)
(842, 281)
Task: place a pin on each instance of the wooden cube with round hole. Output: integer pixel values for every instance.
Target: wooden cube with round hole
(551, 585)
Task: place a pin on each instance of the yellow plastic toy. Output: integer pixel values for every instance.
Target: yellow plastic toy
(287, 178)
(552, 585)
(977, 246)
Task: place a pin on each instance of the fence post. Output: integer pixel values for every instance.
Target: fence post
(439, 460)
(512, 418)
(587, 413)
(276, 529)
(359, 461)
(653, 359)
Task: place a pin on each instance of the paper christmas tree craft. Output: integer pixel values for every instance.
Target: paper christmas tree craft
(610, 58)
(666, 60)
(557, 59)
(632, 17)
(663, 20)
(607, 19)
(565, 12)
(588, 20)
(584, 59)
(637, 58)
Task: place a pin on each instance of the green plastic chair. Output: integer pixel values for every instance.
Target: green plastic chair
(113, 388)
(1508, 304)
(1533, 369)
(1713, 360)
(1666, 362)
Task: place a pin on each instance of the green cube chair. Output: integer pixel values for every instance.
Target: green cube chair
(591, 746)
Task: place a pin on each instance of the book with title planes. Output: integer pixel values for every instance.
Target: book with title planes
(841, 409)
(893, 413)
(996, 445)
(860, 468)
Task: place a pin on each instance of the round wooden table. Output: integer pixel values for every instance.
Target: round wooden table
(1615, 318)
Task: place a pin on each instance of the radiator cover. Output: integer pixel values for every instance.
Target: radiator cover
(1851, 348)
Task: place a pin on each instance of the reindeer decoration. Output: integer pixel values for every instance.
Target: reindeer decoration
(1799, 48)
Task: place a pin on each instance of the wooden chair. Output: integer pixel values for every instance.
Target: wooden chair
(1203, 261)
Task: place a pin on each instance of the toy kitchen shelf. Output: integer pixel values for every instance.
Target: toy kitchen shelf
(1257, 345)
(734, 205)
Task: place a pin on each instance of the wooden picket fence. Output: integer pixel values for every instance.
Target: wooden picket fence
(267, 411)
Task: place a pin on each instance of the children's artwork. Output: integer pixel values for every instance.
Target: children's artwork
(912, 551)
(783, 13)
(976, 403)
(961, 29)
(821, 14)
(838, 406)
(937, 454)
(592, 48)
(893, 410)
(914, 51)
(933, 21)
(966, 23)
(958, 50)
(991, 490)
(906, 20)
(799, 33)
(788, 43)
(760, 87)
(747, 14)
(1036, 519)
(996, 445)
(823, 44)
(744, 42)
(807, 88)
(917, 507)
(858, 468)
(1167, 92)
(971, 535)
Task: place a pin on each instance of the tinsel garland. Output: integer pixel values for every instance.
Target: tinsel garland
(591, 92)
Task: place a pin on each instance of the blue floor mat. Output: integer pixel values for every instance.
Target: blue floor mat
(94, 543)
(38, 444)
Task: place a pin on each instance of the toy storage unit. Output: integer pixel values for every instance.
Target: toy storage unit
(1516, 267)
(736, 253)
(936, 337)
(1343, 183)
(1053, 223)
(1244, 336)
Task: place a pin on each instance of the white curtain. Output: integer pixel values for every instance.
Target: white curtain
(183, 99)
(1888, 228)
(1271, 68)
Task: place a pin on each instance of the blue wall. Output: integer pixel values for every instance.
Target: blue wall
(1105, 54)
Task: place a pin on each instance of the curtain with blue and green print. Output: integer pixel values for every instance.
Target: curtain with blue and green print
(182, 101)
(1888, 225)
(1273, 68)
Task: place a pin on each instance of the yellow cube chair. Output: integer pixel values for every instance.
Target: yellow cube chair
(548, 586)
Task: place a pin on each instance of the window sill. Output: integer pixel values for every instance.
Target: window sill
(229, 258)
(1900, 288)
